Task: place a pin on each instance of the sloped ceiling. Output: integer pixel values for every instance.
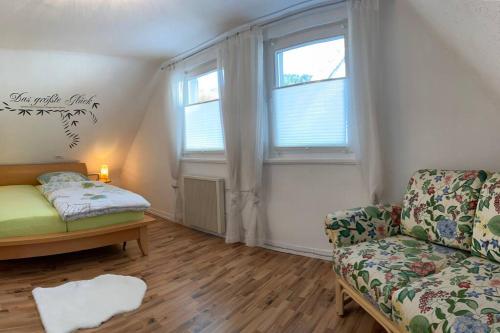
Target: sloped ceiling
(472, 27)
(103, 132)
(155, 29)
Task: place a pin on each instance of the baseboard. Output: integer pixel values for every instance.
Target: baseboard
(271, 245)
(299, 250)
(163, 214)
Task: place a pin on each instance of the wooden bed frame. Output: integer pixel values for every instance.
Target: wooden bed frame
(48, 244)
(343, 289)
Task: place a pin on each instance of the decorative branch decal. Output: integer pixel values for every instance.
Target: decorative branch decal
(76, 106)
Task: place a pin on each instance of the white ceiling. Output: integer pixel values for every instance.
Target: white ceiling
(153, 29)
(472, 28)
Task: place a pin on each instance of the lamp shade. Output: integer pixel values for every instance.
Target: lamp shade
(104, 173)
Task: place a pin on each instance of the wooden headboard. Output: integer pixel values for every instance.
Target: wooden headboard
(25, 174)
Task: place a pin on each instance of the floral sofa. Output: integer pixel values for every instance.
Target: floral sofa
(430, 265)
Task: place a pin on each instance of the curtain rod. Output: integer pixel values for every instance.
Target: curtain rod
(261, 21)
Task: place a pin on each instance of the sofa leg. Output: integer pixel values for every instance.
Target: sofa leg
(339, 298)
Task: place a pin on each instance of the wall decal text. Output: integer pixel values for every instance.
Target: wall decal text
(70, 109)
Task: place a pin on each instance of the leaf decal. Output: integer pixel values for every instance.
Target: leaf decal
(24, 112)
(42, 112)
(65, 114)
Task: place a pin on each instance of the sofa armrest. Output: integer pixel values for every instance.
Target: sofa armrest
(357, 225)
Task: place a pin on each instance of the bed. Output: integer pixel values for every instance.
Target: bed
(30, 226)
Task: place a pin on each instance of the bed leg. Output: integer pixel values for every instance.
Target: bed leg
(143, 240)
(339, 297)
(124, 247)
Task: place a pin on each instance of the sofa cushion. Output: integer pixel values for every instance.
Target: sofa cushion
(464, 297)
(377, 268)
(352, 226)
(439, 206)
(486, 233)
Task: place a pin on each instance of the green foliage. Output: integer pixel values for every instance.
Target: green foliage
(289, 79)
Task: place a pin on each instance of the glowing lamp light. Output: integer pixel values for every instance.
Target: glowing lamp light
(104, 174)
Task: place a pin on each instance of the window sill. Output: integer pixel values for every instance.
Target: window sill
(213, 160)
(290, 160)
(348, 160)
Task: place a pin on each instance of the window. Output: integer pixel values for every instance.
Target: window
(309, 91)
(202, 117)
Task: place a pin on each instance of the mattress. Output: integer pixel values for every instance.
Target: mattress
(24, 211)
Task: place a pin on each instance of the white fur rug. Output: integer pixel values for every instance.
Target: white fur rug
(87, 303)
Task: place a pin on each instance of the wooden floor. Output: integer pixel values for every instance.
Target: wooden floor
(196, 283)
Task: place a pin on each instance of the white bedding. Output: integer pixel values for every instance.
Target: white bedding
(77, 200)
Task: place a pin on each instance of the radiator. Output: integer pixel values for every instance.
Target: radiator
(204, 207)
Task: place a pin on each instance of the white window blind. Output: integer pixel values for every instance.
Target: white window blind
(309, 99)
(202, 118)
(203, 129)
(310, 115)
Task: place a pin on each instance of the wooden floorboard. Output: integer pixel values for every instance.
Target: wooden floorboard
(196, 283)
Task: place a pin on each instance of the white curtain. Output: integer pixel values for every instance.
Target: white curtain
(363, 18)
(240, 60)
(173, 108)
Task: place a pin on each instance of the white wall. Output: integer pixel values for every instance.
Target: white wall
(297, 196)
(121, 86)
(437, 112)
(146, 169)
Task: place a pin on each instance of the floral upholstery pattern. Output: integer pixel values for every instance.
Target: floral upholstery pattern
(378, 268)
(439, 206)
(357, 225)
(486, 233)
(463, 298)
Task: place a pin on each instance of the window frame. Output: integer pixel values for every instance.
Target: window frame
(297, 39)
(196, 72)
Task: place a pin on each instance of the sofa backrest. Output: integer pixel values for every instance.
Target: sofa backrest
(439, 206)
(486, 234)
